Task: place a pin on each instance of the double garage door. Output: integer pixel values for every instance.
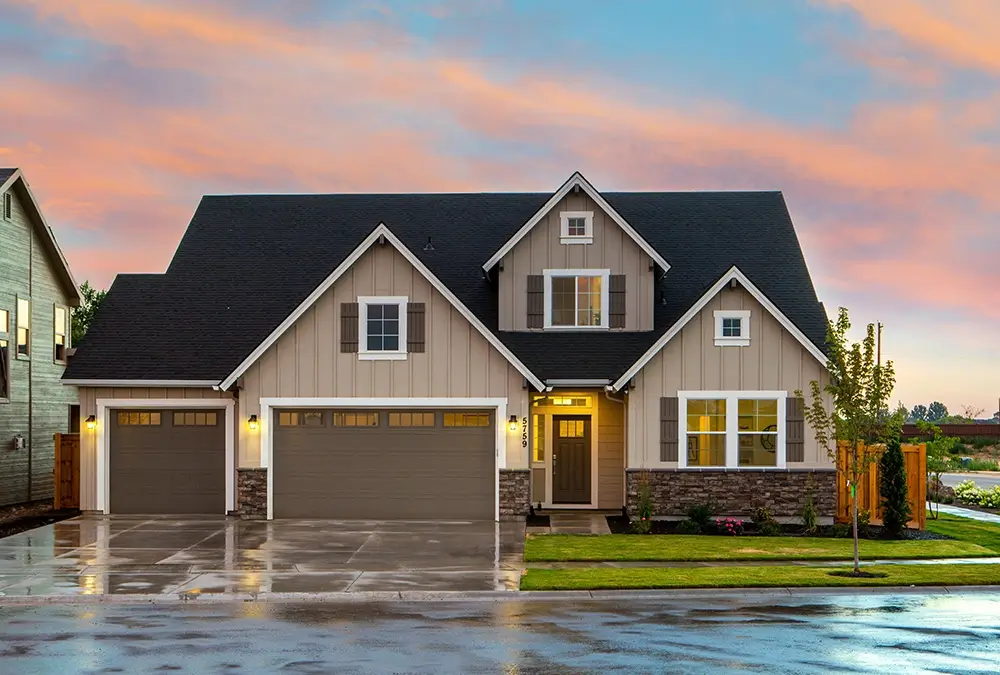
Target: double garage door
(368, 464)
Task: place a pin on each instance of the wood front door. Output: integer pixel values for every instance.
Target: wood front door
(571, 459)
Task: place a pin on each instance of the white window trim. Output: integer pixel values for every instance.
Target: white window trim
(566, 238)
(744, 339)
(605, 297)
(732, 427)
(363, 352)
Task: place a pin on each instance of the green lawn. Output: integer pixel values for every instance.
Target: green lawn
(677, 547)
(966, 529)
(757, 577)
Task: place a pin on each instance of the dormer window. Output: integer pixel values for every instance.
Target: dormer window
(576, 227)
(732, 328)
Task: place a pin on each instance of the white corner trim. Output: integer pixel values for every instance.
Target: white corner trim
(268, 404)
(733, 273)
(380, 231)
(732, 426)
(741, 340)
(102, 439)
(586, 238)
(142, 383)
(364, 354)
(605, 275)
(575, 180)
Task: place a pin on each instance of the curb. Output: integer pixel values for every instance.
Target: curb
(482, 596)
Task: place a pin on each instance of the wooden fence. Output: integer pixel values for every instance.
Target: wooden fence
(915, 457)
(67, 472)
(956, 430)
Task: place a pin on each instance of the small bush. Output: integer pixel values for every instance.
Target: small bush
(809, 516)
(729, 526)
(688, 527)
(701, 515)
(764, 521)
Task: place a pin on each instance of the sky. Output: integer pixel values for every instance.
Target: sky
(879, 120)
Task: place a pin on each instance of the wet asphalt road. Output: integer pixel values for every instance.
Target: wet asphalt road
(816, 634)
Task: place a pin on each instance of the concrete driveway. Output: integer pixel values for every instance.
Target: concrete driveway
(191, 557)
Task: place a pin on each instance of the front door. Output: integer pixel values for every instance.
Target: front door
(571, 459)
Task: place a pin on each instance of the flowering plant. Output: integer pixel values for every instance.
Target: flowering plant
(729, 526)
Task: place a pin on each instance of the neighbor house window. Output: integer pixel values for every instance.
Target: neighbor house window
(576, 227)
(576, 298)
(733, 429)
(732, 328)
(382, 328)
(59, 333)
(23, 327)
(538, 438)
(8, 206)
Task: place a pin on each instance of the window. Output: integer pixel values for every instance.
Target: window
(706, 432)
(8, 206)
(383, 328)
(4, 321)
(738, 429)
(466, 419)
(136, 418)
(355, 419)
(576, 227)
(571, 429)
(59, 333)
(23, 327)
(732, 328)
(538, 438)
(4, 370)
(576, 298)
(195, 419)
(407, 419)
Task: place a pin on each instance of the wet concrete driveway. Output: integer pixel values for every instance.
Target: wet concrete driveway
(191, 557)
(844, 633)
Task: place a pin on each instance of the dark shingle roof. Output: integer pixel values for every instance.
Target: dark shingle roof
(5, 174)
(246, 262)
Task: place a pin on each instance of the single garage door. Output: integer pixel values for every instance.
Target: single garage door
(168, 461)
(384, 464)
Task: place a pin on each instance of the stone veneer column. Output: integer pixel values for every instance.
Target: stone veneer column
(735, 492)
(251, 493)
(515, 493)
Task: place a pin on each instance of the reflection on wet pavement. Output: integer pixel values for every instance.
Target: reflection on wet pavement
(196, 556)
(819, 634)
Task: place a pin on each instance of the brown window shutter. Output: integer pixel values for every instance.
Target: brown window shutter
(348, 327)
(415, 327)
(536, 301)
(617, 309)
(795, 430)
(668, 429)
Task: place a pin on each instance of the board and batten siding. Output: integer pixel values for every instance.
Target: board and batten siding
(541, 249)
(307, 360)
(88, 439)
(610, 453)
(774, 361)
(27, 271)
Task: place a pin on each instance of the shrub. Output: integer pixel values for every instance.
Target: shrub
(894, 491)
(809, 516)
(688, 527)
(701, 515)
(764, 521)
(729, 526)
(644, 510)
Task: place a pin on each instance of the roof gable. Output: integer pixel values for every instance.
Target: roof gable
(575, 181)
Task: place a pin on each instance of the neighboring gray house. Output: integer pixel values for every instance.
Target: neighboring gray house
(37, 292)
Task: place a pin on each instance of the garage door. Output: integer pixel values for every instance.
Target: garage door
(168, 461)
(384, 464)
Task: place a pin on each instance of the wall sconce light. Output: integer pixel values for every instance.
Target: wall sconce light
(252, 423)
(91, 423)
(512, 424)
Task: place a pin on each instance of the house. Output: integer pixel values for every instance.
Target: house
(37, 294)
(459, 356)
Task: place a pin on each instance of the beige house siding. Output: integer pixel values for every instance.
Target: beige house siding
(88, 439)
(774, 361)
(306, 360)
(612, 249)
(610, 454)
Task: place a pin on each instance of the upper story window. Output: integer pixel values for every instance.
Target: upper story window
(8, 206)
(732, 328)
(23, 327)
(59, 334)
(382, 333)
(576, 227)
(576, 298)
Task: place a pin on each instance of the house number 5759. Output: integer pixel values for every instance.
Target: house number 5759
(524, 432)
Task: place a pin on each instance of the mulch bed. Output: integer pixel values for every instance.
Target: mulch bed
(621, 525)
(22, 517)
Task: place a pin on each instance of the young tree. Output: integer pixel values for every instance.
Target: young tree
(936, 411)
(90, 302)
(894, 490)
(859, 416)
